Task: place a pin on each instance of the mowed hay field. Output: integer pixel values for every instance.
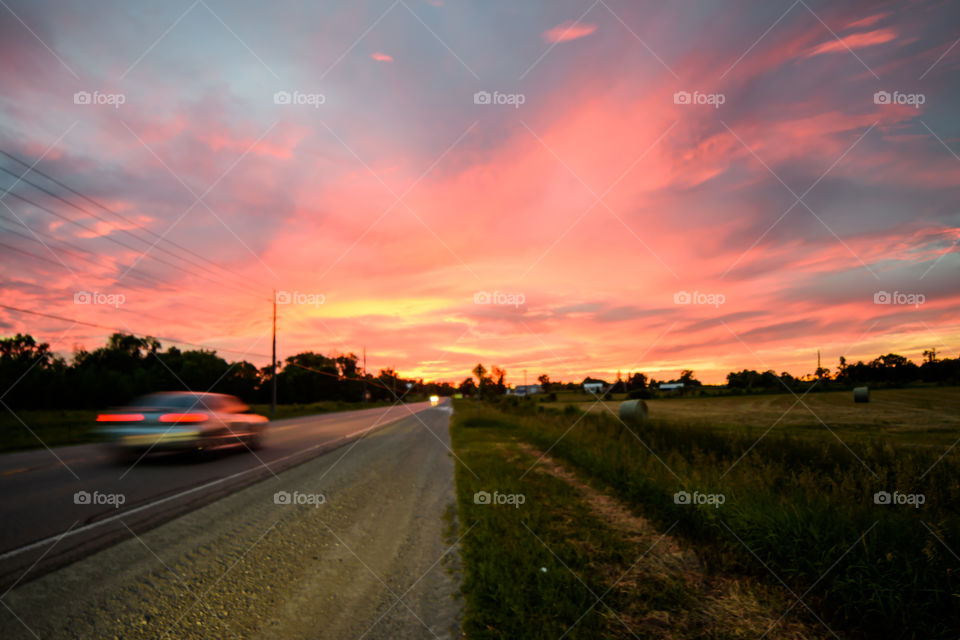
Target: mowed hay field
(927, 415)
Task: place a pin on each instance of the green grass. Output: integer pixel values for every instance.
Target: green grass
(515, 587)
(57, 428)
(38, 427)
(799, 504)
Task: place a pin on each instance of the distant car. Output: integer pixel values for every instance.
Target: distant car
(182, 421)
(434, 400)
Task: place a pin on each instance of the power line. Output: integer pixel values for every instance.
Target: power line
(150, 287)
(338, 375)
(31, 255)
(191, 344)
(100, 218)
(159, 237)
(126, 246)
(77, 251)
(45, 259)
(127, 331)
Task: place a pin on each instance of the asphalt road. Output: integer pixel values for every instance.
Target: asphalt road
(361, 543)
(43, 526)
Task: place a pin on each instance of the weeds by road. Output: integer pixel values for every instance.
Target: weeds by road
(861, 532)
(551, 557)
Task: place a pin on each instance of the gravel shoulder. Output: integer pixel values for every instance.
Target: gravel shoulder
(374, 560)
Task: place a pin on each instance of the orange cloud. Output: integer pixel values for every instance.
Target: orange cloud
(854, 41)
(569, 30)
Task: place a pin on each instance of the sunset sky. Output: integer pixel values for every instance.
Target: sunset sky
(523, 184)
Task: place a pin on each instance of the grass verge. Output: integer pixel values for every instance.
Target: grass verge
(568, 561)
(795, 510)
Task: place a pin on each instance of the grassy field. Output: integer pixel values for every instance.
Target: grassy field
(921, 416)
(798, 506)
(56, 428)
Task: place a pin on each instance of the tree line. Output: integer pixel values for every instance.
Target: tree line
(889, 370)
(32, 376)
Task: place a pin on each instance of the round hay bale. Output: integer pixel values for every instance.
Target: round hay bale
(633, 412)
(861, 394)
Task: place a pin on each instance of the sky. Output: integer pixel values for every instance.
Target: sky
(570, 188)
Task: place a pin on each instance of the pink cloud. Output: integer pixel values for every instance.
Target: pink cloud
(569, 30)
(381, 57)
(854, 41)
(866, 22)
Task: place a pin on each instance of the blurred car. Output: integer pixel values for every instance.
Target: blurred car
(182, 421)
(434, 400)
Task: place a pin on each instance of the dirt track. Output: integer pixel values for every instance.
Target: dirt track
(247, 567)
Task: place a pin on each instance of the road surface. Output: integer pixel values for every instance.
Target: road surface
(280, 547)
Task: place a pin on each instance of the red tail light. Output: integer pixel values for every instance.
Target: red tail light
(120, 417)
(184, 417)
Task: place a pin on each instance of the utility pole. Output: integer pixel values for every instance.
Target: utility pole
(273, 360)
(364, 373)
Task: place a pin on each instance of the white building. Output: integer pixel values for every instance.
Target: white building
(525, 390)
(671, 386)
(595, 387)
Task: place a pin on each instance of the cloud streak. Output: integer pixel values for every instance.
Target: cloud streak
(567, 31)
